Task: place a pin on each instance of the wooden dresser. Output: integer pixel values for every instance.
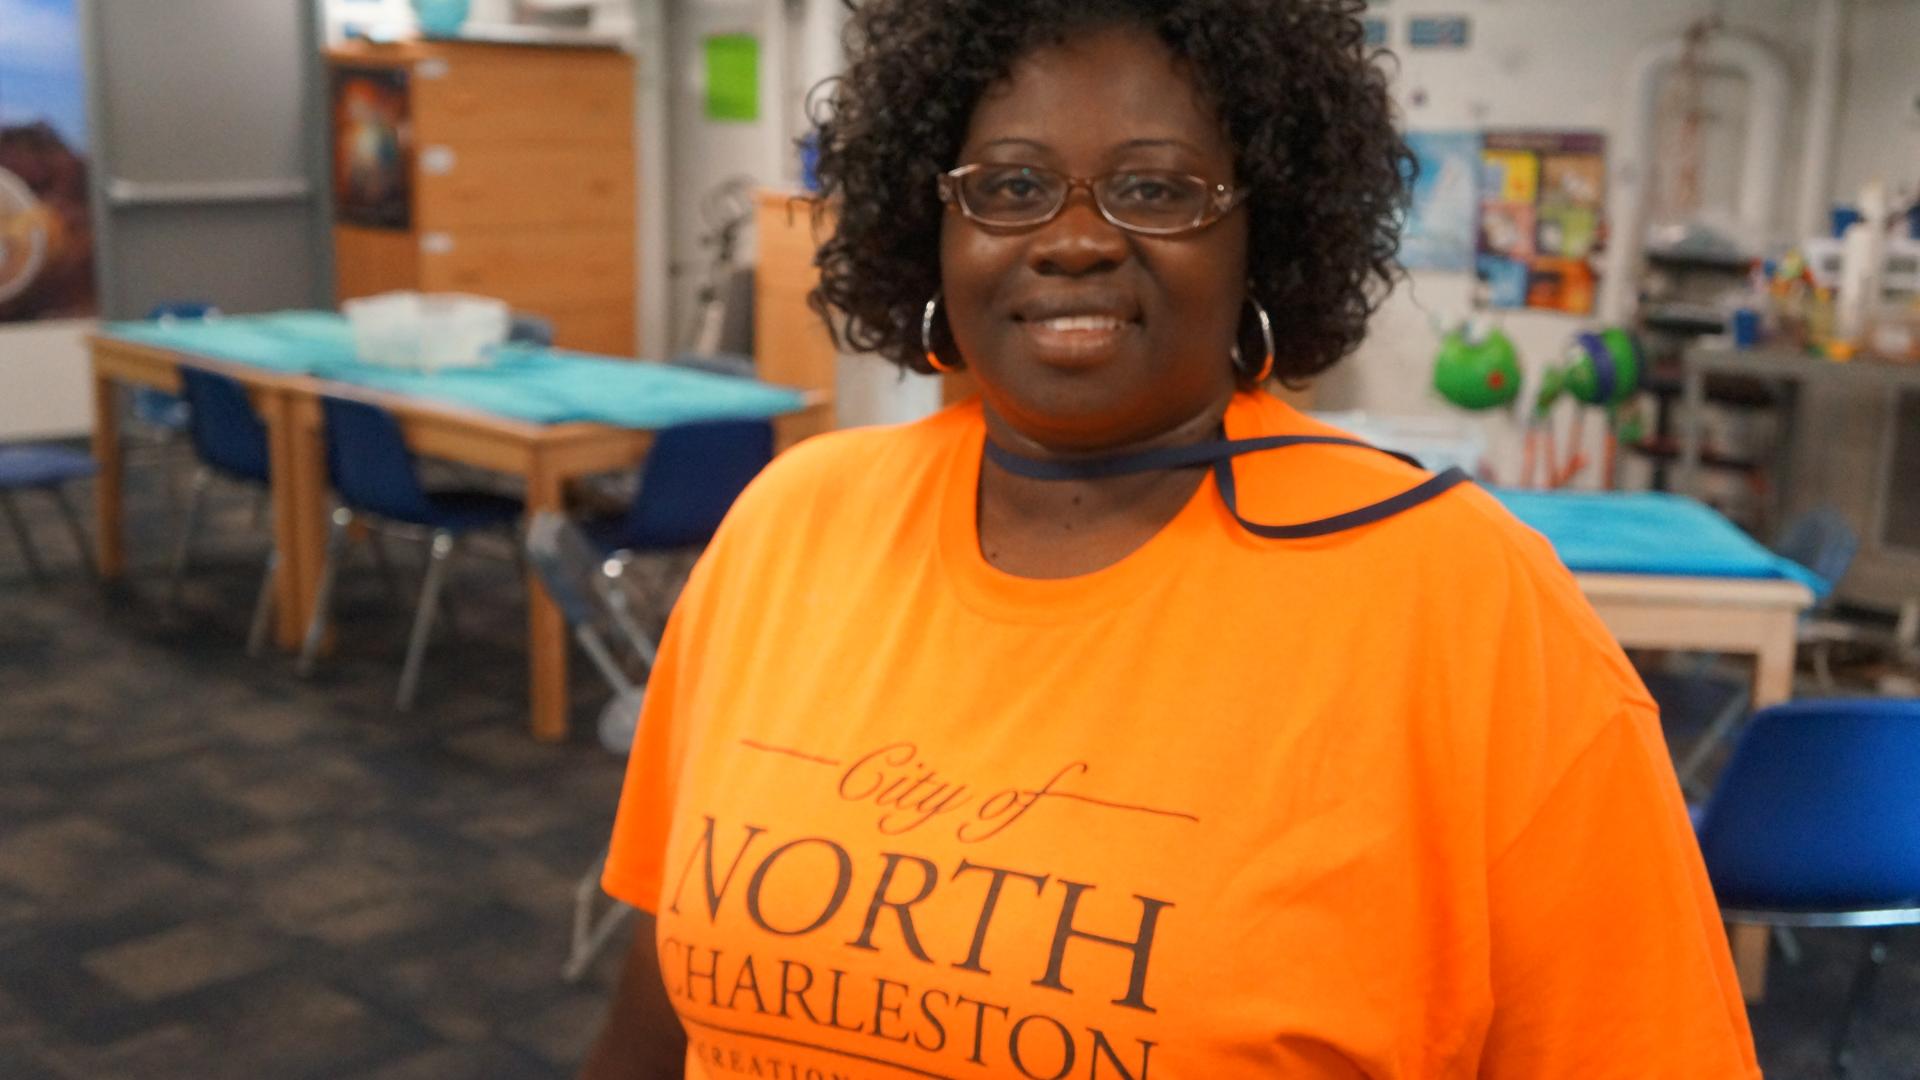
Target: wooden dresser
(499, 170)
(791, 344)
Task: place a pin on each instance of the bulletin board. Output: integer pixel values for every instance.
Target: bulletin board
(1542, 218)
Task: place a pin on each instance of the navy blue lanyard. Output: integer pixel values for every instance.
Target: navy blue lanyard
(1219, 454)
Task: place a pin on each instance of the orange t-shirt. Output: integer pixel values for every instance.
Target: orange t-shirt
(1388, 803)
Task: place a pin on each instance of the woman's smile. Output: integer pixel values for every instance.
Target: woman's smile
(1078, 340)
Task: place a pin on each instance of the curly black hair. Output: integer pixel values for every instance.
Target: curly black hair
(1305, 105)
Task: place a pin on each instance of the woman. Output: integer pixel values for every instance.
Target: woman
(1028, 741)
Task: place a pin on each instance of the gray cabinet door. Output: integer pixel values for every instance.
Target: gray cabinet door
(209, 179)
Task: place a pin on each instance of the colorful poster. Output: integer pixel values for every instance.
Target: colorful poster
(1439, 231)
(372, 148)
(1542, 225)
(46, 228)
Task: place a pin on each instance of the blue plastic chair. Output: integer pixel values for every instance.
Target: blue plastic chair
(1816, 823)
(524, 328)
(1824, 542)
(374, 474)
(688, 482)
(39, 467)
(230, 440)
(157, 410)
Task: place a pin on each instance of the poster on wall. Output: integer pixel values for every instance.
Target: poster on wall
(372, 148)
(46, 231)
(1542, 204)
(1439, 233)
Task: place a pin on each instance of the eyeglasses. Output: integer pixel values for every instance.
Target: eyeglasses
(1150, 201)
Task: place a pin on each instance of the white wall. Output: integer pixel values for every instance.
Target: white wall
(1879, 131)
(44, 388)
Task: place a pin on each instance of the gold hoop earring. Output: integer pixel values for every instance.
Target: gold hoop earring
(926, 338)
(1266, 338)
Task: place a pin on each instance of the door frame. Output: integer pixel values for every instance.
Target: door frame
(108, 195)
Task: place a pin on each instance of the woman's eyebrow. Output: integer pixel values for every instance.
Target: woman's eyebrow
(1130, 144)
(1032, 144)
(1159, 144)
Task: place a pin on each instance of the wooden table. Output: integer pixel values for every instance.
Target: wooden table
(1756, 617)
(544, 456)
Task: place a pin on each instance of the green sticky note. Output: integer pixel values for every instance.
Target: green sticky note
(733, 77)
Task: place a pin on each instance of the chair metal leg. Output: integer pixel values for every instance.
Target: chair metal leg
(196, 496)
(613, 575)
(75, 529)
(442, 551)
(323, 597)
(263, 607)
(1864, 977)
(384, 564)
(602, 657)
(1823, 666)
(591, 935)
(19, 526)
(1789, 943)
(1711, 740)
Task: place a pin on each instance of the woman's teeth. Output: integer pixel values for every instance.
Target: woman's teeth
(1082, 323)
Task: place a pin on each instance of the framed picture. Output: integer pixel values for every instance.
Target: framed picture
(372, 148)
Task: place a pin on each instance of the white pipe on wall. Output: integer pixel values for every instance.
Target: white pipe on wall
(1823, 111)
(652, 47)
(1632, 171)
(824, 55)
(775, 116)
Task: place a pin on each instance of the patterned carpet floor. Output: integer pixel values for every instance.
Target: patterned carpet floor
(211, 868)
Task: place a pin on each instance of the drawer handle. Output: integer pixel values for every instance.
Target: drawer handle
(437, 160)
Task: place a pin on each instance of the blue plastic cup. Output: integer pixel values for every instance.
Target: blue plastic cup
(442, 18)
(1746, 328)
(810, 161)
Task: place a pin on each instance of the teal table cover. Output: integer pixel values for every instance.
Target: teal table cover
(540, 385)
(1649, 533)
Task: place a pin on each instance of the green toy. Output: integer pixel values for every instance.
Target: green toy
(1480, 369)
(1477, 371)
(1598, 369)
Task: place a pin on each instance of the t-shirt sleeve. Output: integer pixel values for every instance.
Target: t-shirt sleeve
(637, 855)
(1608, 955)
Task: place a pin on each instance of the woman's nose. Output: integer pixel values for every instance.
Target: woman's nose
(1079, 240)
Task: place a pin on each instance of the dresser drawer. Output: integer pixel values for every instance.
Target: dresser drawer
(525, 184)
(609, 329)
(546, 269)
(481, 94)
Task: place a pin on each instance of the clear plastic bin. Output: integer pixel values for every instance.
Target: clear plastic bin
(1439, 443)
(427, 331)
